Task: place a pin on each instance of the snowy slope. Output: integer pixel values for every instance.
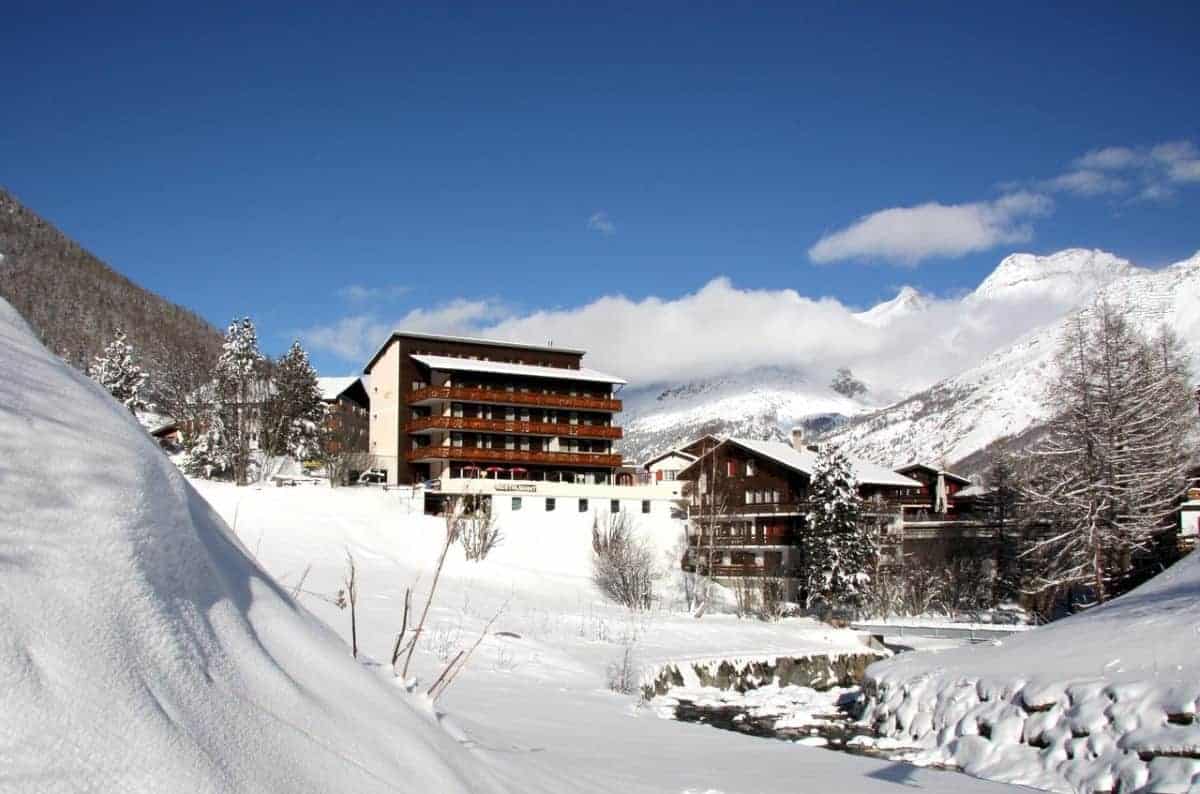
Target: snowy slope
(908, 302)
(1107, 695)
(762, 404)
(533, 700)
(1025, 292)
(141, 649)
(1004, 394)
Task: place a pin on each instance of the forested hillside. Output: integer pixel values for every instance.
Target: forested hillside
(75, 302)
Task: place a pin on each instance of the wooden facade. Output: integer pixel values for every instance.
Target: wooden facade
(448, 406)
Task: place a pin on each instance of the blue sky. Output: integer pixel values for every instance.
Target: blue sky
(335, 170)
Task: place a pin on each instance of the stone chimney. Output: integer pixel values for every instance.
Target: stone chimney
(798, 438)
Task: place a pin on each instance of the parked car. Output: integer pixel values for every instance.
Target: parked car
(372, 477)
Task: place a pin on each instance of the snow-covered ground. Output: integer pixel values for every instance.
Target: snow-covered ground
(536, 705)
(1104, 698)
(144, 649)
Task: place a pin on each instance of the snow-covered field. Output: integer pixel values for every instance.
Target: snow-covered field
(536, 705)
(144, 649)
(1104, 699)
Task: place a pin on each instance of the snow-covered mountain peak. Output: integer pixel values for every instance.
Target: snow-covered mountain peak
(1066, 276)
(908, 301)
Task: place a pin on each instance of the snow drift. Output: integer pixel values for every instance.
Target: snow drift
(1102, 701)
(141, 649)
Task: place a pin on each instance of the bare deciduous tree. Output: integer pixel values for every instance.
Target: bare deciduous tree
(622, 563)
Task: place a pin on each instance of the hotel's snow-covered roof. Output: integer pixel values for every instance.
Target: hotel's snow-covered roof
(455, 364)
(332, 388)
(805, 462)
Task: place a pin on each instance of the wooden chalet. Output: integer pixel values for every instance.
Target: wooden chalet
(747, 502)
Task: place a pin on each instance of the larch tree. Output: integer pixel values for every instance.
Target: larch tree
(839, 547)
(1104, 482)
(118, 371)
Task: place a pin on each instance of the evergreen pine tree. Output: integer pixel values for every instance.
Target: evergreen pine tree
(839, 545)
(118, 372)
(292, 421)
(239, 387)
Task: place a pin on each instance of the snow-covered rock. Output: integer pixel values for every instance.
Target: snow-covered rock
(141, 649)
(1103, 697)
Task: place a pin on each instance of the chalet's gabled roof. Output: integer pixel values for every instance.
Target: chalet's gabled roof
(690, 457)
(456, 364)
(804, 462)
(332, 388)
(949, 475)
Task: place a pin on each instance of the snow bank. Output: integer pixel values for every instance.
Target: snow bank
(141, 649)
(1102, 701)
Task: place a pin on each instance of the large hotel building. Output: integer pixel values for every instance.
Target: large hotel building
(454, 407)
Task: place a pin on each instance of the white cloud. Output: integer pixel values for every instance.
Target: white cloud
(1110, 158)
(720, 329)
(600, 222)
(1148, 173)
(357, 293)
(910, 235)
(356, 337)
(1085, 182)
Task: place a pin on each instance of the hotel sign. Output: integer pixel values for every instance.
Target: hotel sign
(523, 487)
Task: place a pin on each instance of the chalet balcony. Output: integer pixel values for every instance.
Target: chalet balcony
(502, 397)
(869, 507)
(479, 425)
(485, 455)
(744, 570)
(736, 541)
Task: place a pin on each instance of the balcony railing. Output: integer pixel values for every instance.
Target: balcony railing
(743, 570)
(502, 397)
(428, 423)
(483, 454)
(868, 507)
(727, 541)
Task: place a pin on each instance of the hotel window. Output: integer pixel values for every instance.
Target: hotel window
(614, 506)
(510, 414)
(524, 414)
(510, 442)
(749, 468)
(549, 504)
(456, 410)
(731, 468)
(583, 505)
(516, 503)
(574, 417)
(775, 497)
(456, 439)
(749, 497)
(525, 443)
(645, 505)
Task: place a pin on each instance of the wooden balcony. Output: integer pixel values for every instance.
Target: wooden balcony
(870, 507)
(484, 455)
(503, 397)
(474, 424)
(742, 570)
(735, 541)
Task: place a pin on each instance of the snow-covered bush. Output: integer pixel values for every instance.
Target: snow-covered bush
(478, 532)
(622, 563)
(623, 673)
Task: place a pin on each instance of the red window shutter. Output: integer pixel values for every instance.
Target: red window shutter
(658, 476)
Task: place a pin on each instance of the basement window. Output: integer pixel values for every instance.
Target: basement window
(645, 505)
(614, 506)
(516, 503)
(583, 505)
(549, 504)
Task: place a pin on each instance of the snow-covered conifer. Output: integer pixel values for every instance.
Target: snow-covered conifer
(292, 420)
(839, 546)
(118, 371)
